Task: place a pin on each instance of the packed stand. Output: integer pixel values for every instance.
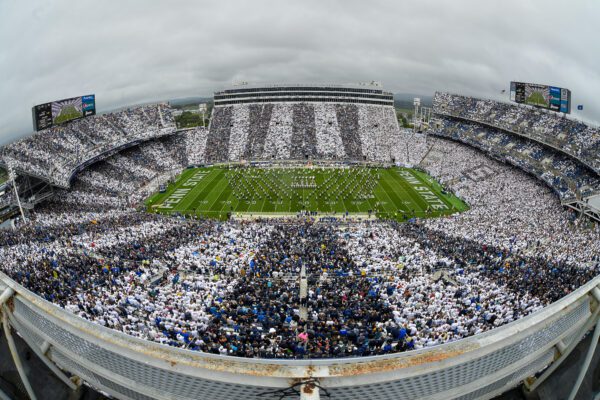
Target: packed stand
(301, 131)
(571, 136)
(561, 172)
(232, 288)
(53, 154)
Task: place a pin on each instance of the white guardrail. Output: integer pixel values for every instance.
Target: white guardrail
(479, 367)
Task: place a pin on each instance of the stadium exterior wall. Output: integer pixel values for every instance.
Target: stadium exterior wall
(478, 367)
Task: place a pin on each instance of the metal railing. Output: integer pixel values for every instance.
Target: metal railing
(477, 367)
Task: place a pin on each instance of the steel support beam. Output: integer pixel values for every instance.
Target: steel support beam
(3, 395)
(596, 293)
(41, 353)
(592, 320)
(15, 355)
(586, 362)
(7, 294)
(45, 347)
(561, 346)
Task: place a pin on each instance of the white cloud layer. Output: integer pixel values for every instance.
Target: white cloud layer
(128, 52)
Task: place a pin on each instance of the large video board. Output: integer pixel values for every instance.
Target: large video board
(549, 97)
(58, 112)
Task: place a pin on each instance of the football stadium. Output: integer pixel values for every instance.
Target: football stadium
(296, 238)
(303, 241)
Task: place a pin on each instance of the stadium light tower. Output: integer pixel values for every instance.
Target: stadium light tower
(13, 177)
(202, 109)
(425, 116)
(416, 103)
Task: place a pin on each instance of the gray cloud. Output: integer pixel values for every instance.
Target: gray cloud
(129, 52)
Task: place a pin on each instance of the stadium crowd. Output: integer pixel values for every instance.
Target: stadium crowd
(564, 174)
(55, 153)
(301, 130)
(231, 287)
(373, 286)
(572, 136)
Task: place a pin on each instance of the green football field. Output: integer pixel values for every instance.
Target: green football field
(537, 98)
(398, 193)
(66, 114)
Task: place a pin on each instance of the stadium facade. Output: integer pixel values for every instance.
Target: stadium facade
(324, 122)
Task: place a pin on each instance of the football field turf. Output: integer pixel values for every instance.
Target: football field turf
(398, 193)
(66, 114)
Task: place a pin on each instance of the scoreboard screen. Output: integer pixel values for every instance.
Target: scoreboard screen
(549, 97)
(57, 112)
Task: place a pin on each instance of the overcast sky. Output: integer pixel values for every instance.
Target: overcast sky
(128, 52)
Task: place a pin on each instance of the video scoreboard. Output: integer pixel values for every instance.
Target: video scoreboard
(549, 97)
(54, 113)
